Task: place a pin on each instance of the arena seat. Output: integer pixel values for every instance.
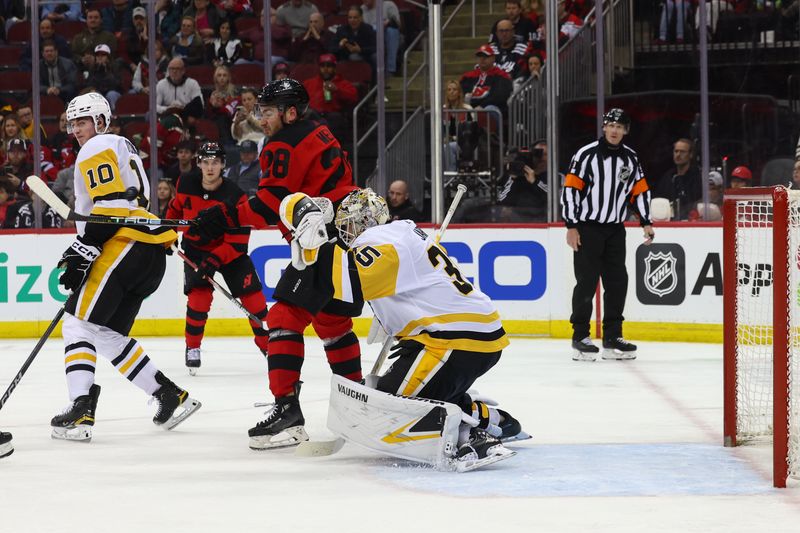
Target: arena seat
(132, 105)
(304, 71)
(249, 75)
(19, 33)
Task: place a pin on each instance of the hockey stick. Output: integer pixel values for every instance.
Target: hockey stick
(31, 357)
(321, 448)
(221, 289)
(50, 198)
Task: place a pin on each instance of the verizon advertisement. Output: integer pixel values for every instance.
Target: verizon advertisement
(526, 271)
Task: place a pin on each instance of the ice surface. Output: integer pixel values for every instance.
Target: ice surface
(617, 447)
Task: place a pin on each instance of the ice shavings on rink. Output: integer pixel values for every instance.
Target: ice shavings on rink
(590, 470)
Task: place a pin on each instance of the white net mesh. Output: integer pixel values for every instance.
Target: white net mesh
(754, 318)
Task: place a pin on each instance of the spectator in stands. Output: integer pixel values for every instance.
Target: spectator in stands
(356, 40)
(453, 99)
(247, 172)
(796, 175)
(185, 165)
(18, 163)
(58, 76)
(681, 184)
(7, 198)
(165, 193)
(317, 40)
(11, 12)
(400, 206)
(712, 211)
(206, 18)
(535, 12)
(294, 14)
(63, 145)
(487, 86)
(234, 8)
(118, 17)
(170, 131)
(25, 116)
(141, 80)
(58, 11)
(716, 188)
(104, 76)
(169, 12)
(222, 102)
(741, 177)
(20, 214)
(569, 23)
(523, 28)
(187, 43)
(392, 26)
(535, 64)
(332, 96)
(177, 93)
(253, 40)
(225, 49)
(46, 33)
(280, 71)
(673, 10)
(135, 38)
(11, 130)
(509, 54)
(246, 127)
(524, 184)
(86, 42)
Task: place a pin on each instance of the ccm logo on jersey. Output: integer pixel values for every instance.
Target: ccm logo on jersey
(346, 391)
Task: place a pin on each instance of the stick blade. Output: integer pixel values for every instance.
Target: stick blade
(319, 448)
(41, 190)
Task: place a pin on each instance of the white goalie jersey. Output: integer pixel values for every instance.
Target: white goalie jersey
(106, 167)
(415, 290)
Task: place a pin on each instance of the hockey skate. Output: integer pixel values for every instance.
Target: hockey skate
(480, 450)
(169, 397)
(511, 428)
(584, 350)
(6, 448)
(192, 360)
(283, 427)
(618, 349)
(76, 422)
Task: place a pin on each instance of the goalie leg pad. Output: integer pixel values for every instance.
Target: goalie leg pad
(410, 428)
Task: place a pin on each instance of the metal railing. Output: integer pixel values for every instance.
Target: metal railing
(356, 141)
(420, 69)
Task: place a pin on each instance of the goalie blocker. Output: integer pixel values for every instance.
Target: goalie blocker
(416, 429)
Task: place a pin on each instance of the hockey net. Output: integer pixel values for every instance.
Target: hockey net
(762, 323)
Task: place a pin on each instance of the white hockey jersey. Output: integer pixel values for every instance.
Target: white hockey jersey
(416, 291)
(107, 165)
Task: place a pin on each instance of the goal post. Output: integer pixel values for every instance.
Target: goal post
(761, 251)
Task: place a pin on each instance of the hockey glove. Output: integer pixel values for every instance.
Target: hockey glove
(212, 223)
(406, 348)
(306, 220)
(77, 260)
(209, 265)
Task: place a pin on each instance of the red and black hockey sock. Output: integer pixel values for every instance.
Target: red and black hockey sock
(257, 305)
(197, 314)
(286, 350)
(341, 344)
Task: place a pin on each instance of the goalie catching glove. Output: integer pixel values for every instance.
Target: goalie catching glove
(77, 261)
(306, 218)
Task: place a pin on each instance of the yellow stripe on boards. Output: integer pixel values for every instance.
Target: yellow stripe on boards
(124, 368)
(80, 356)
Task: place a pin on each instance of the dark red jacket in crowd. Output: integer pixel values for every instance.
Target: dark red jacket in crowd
(343, 99)
(301, 157)
(492, 87)
(190, 199)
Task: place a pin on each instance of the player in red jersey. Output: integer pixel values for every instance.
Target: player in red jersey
(300, 156)
(226, 253)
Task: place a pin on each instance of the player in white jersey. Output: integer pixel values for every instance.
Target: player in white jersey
(110, 270)
(449, 332)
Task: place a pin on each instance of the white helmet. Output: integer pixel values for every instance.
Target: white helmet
(89, 105)
(360, 210)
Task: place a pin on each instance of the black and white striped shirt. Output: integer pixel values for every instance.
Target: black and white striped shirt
(603, 181)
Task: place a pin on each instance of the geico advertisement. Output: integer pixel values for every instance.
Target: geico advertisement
(527, 272)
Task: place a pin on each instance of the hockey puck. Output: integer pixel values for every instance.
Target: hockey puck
(131, 193)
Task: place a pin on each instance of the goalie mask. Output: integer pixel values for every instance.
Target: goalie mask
(360, 210)
(89, 105)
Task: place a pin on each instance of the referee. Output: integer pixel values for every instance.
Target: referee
(604, 178)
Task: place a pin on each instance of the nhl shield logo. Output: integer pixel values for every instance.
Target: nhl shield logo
(625, 173)
(660, 276)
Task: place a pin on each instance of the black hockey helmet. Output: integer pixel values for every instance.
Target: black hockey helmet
(617, 115)
(284, 94)
(209, 150)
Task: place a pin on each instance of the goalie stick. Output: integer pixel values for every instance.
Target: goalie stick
(50, 198)
(321, 448)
